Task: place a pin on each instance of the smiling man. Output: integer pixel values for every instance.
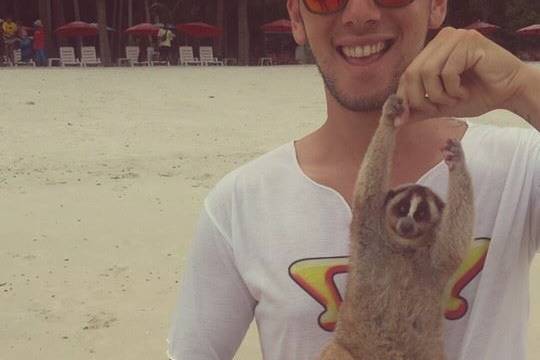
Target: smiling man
(272, 240)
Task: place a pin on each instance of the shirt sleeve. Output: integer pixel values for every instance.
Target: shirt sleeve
(214, 308)
(535, 201)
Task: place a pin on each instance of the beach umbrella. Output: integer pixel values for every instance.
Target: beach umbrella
(532, 30)
(278, 26)
(200, 30)
(76, 29)
(483, 27)
(143, 29)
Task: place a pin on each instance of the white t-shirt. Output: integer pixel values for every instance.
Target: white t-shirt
(273, 244)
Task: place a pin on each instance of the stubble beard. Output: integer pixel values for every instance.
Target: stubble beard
(369, 103)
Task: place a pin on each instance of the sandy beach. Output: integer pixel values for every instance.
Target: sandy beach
(102, 176)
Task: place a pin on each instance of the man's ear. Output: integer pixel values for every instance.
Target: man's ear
(437, 13)
(298, 30)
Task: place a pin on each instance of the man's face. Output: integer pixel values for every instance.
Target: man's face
(340, 43)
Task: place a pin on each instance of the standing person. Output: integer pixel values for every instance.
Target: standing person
(2, 45)
(165, 38)
(9, 28)
(39, 44)
(25, 42)
(273, 236)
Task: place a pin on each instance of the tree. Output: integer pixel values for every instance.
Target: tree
(243, 33)
(220, 10)
(105, 50)
(45, 16)
(76, 10)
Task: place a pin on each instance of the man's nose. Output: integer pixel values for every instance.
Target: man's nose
(361, 13)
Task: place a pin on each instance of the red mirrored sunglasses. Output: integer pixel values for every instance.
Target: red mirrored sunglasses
(325, 7)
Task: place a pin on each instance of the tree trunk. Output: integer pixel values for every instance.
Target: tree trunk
(220, 23)
(76, 10)
(147, 11)
(130, 19)
(45, 16)
(130, 13)
(243, 33)
(120, 28)
(58, 17)
(105, 50)
(77, 17)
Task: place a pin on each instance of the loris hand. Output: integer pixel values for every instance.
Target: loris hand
(461, 73)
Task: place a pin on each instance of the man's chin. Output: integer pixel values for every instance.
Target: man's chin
(370, 102)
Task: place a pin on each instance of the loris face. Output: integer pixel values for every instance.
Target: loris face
(411, 213)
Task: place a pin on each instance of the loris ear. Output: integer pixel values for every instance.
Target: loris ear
(389, 196)
(440, 204)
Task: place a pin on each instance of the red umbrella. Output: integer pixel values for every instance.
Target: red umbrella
(143, 29)
(483, 27)
(200, 30)
(533, 30)
(278, 26)
(76, 29)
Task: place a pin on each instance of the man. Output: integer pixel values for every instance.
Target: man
(39, 44)
(272, 241)
(165, 38)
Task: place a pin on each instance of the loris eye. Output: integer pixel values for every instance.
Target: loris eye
(422, 214)
(403, 210)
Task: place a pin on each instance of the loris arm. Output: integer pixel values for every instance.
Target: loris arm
(373, 178)
(455, 231)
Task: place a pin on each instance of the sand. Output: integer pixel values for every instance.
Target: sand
(102, 175)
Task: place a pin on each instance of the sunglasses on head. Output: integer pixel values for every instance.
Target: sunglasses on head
(325, 7)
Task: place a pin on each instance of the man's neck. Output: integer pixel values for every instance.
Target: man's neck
(332, 154)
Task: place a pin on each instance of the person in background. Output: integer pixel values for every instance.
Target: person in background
(2, 47)
(9, 28)
(25, 42)
(165, 38)
(39, 44)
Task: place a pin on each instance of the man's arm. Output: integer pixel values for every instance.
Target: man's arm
(214, 308)
(527, 100)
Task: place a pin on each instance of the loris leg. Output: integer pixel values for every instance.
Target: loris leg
(334, 351)
(455, 232)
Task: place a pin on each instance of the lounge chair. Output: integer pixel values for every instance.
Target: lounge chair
(206, 55)
(186, 56)
(17, 56)
(67, 56)
(154, 58)
(132, 57)
(88, 56)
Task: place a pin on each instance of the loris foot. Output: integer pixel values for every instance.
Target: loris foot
(453, 154)
(392, 108)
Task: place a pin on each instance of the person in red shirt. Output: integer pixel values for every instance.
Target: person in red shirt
(39, 44)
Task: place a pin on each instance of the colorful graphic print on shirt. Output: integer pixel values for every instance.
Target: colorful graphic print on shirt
(317, 277)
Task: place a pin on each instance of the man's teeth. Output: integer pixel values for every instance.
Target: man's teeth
(363, 51)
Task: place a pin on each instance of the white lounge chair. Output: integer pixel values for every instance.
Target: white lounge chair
(17, 56)
(88, 56)
(206, 55)
(154, 57)
(132, 57)
(67, 56)
(186, 56)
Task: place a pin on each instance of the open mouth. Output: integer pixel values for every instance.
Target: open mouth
(363, 54)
